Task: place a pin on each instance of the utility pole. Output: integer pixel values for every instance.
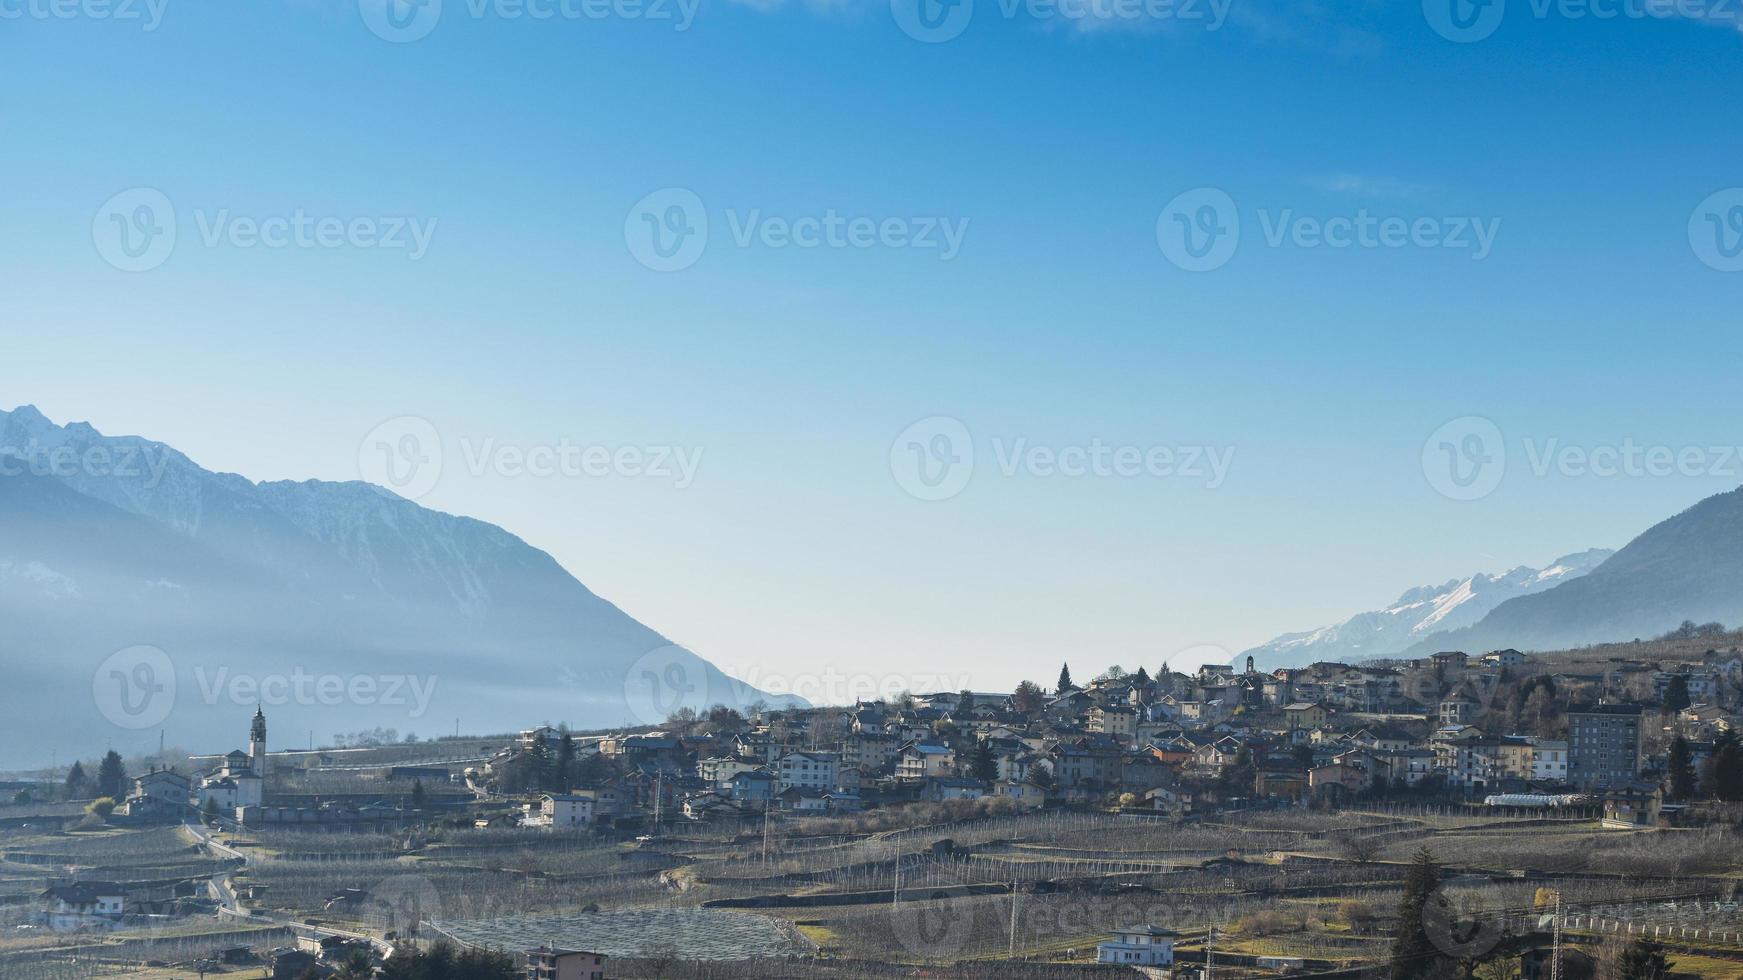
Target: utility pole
(1555, 955)
(896, 894)
(1209, 951)
(1011, 951)
(766, 804)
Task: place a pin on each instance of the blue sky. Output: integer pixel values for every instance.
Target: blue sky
(1585, 143)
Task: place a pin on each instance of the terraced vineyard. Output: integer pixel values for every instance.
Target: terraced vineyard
(699, 934)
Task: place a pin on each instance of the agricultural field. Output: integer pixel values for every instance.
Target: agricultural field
(828, 898)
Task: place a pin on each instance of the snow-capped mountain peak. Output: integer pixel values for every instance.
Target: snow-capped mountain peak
(1422, 612)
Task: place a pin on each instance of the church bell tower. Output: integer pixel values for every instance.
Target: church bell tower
(257, 743)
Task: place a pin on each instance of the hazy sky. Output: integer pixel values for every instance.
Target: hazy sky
(1550, 274)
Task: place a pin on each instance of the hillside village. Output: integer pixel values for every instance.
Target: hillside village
(1502, 729)
(1267, 821)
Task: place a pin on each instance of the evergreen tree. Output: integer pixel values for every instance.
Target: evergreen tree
(1164, 680)
(1065, 679)
(1141, 678)
(210, 812)
(78, 785)
(565, 761)
(1676, 693)
(1642, 961)
(419, 796)
(112, 776)
(1725, 769)
(1682, 770)
(984, 766)
(1414, 955)
(541, 773)
(594, 770)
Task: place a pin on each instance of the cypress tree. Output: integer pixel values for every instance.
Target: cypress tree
(1413, 954)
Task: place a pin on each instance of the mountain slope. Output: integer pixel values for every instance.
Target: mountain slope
(1687, 567)
(108, 543)
(1421, 613)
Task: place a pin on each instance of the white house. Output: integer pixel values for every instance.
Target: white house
(718, 771)
(83, 905)
(808, 770)
(1549, 759)
(550, 963)
(922, 760)
(559, 811)
(1138, 946)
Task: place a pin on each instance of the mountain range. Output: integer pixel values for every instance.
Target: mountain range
(140, 591)
(1420, 615)
(1686, 568)
(315, 598)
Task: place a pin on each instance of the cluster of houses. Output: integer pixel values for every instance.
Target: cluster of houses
(240, 789)
(1175, 743)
